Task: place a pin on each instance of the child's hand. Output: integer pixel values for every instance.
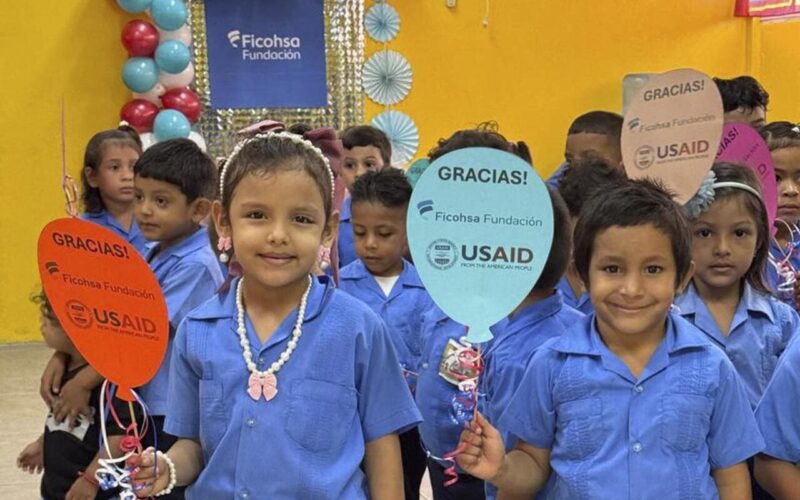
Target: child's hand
(74, 401)
(31, 458)
(145, 481)
(482, 450)
(50, 384)
(82, 490)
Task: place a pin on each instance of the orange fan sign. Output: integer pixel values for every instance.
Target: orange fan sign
(107, 299)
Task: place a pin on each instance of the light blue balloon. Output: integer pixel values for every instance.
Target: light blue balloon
(134, 6)
(140, 74)
(169, 15)
(415, 171)
(173, 56)
(171, 124)
(480, 227)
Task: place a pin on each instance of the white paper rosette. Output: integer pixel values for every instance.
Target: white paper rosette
(387, 77)
(402, 133)
(382, 22)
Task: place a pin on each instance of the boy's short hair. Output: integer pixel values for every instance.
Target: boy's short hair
(742, 92)
(598, 122)
(633, 203)
(561, 248)
(485, 135)
(388, 187)
(585, 178)
(366, 135)
(182, 163)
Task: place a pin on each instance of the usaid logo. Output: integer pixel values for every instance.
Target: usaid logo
(442, 254)
(265, 48)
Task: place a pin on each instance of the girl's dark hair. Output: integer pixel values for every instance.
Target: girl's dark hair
(125, 136)
(780, 135)
(728, 172)
(561, 248)
(388, 187)
(271, 154)
(485, 135)
(40, 299)
(628, 204)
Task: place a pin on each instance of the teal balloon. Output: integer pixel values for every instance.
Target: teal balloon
(169, 15)
(173, 56)
(480, 226)
(171, 124)
(415, 171)
(140, 74)
(134, 6)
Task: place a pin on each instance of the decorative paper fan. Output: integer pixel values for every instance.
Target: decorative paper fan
(387, 77)
(402, 133)
(382, 22)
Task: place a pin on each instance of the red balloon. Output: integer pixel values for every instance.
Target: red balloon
(140, 38)
(184, 100)
(140, 114)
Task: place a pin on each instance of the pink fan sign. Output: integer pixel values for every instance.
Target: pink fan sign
(742, 145)
(671, 131)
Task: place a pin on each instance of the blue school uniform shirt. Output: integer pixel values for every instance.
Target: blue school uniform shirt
(760, 331)
(772, 277)
(401, 310)
(656, 436)
(189, 275)
(340, 389)
(133, 236)
(555, 179)
(439, 430)
(513, 347)
(779, 407)
(346, 245)
(582, 303)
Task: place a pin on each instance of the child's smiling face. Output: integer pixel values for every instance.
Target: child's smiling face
(787, 174)
(277, 224)
(632, 276)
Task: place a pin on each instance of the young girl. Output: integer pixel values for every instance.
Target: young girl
(107, 182)
(783, 139)
(281, 385)
(727, 298)
(633, 401)
(69, 455)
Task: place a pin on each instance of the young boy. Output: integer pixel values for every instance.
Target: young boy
(542, 315)
(744, 100)
(174, 185)
(389, 285)
(596, 133)
(69, 454)
(584, 179)
(366, 149)
(633, 401)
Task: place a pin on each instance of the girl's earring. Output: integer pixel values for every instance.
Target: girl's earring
(224, 245)
(324, 257)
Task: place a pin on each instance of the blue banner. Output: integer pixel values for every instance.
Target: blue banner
(266, 53)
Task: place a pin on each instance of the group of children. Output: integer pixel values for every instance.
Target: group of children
(651, 358)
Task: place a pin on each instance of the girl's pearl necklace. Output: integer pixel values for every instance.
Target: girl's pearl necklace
(265, 381)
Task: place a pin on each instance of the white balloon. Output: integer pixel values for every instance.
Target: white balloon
(182, 79)
(148, 139)
(183, 34)
(153, 95)
(198, 139)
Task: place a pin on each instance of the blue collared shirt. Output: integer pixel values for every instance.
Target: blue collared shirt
(760, 331)
(612, 434)
(778, 255)
(439, 429)
(402, 310)
(189, 274)
(777, 413)
(133, 236)
(582, 303)
(555, 179)
(513, 347)
(346, 245)
(340, 389)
